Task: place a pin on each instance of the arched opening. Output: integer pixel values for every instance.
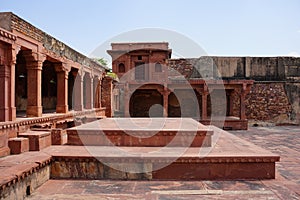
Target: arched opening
(121, 68)
(146, 103)
(21, 85)
(49, 87)
(184, 103)
(217, 103)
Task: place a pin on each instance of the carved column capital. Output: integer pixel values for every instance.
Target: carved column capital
(62, 67)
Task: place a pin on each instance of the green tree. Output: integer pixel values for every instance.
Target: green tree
(102, 61)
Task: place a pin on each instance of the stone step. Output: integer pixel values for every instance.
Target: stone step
(130, 132)
(160, 139)
(96, 162)
(229, 158)
(38, 140)
(18, 145)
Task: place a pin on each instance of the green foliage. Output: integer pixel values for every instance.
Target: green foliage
(112, 75)
(101, 61)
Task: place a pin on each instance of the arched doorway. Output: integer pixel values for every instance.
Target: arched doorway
(146, 103)
(49, 87)
(21, 85)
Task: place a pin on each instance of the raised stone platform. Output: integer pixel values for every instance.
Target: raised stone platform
(230, 158)
(18, 145)
(141, 132)
(38, 140)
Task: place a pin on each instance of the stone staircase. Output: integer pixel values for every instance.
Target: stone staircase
(177, 149)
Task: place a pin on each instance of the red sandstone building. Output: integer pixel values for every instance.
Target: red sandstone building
(41, 75)
(148, 76)
(236, 88)
(38, 75)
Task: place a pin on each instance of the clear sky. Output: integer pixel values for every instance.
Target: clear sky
(221, 27)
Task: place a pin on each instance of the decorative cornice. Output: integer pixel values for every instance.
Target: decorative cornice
(8, 35)
(37, 120)
(163, 159)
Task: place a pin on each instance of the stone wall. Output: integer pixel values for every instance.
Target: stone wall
(268, 102)
(275, 95)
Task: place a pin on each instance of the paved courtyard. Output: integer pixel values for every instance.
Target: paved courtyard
(283, 140)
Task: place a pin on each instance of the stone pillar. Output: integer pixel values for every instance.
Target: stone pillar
(204, 103)
(7, 84)
(165, 93)
(127, 95)
(62, 72)
(78, 91)
(166, 103)
(34, 65)
(107, 93)
(89, 92)
(242, 104)
(13, 60)
(4, 92)
(96, 92)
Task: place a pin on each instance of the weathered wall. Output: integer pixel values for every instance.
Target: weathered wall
(275, 95)
(268, 102)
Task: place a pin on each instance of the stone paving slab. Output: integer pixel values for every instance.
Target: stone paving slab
(284, 141)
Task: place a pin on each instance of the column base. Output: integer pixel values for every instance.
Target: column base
(62, 109)
(78, 107)
(34, 111)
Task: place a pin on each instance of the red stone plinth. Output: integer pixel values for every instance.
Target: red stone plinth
(18, 145)
(37, 139)
(230, 158)
(148, 132)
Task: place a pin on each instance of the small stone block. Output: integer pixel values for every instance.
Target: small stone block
(18, 145)
(59, 136)
(38, 140)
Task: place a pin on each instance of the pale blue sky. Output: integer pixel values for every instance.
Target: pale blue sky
(221, 27)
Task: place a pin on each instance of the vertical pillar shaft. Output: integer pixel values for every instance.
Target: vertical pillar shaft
(4, 87)
(62, 88)
(95, 93)
(204, 106)
(78, 92)
(12, 107)
(166, 102)
(242, 105)
(34, 90)
(126, 101)
(99, 92)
